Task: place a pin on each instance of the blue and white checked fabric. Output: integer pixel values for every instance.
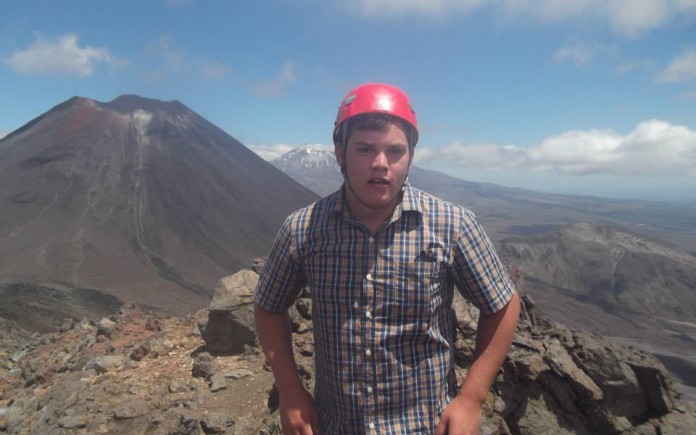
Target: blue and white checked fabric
(383, 327)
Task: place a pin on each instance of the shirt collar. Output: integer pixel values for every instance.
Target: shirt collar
(409, 203)
(337, 203)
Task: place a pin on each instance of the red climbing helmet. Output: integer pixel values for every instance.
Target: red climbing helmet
(376, 98)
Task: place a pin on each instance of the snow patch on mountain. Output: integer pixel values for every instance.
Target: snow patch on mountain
(308, 157)
(313, 166)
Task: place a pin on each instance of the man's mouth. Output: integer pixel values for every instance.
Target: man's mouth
(377, 181)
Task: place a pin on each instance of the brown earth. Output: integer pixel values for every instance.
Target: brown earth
(138, 372)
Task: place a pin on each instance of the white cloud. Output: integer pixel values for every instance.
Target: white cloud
(172, 60)
(433, 8)
(212, 70)
(635, 17)
(423, 154)
(60, 56)
(681, 69)
(170, 57)
(490, 156)
(545, 10)
(271, 152)
(653, 148)
(166, 49)
(579, 53)
(278, 85)
(578, 152)
(630, 66)
(630, 18)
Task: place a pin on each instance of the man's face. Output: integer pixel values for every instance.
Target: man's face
(377, 163)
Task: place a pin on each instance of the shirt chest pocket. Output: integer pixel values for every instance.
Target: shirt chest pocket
(415, 292)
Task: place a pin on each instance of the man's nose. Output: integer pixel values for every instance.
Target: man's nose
(380, 160)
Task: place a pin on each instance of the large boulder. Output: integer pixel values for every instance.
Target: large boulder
(230, 327)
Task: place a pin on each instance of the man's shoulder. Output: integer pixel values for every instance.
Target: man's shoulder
(430, 204)
(317, 211)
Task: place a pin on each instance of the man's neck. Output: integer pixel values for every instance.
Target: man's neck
(372, 218)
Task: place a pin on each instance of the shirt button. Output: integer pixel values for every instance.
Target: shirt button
(368, 314)
(369, 389)
(371, 239)
(372, 425)
(368, 352)
(369, 277)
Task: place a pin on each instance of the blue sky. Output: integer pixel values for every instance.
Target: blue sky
(578, 96)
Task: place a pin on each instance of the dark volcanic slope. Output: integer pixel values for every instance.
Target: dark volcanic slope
(139, 198)
(619, 271)
(637, 290)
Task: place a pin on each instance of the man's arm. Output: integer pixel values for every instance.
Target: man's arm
(493, 338)
(297, 410)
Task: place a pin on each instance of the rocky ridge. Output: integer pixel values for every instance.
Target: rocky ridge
(139, 372)
(614, 268)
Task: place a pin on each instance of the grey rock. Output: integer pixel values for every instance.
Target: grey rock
(230, 325)
(160, 346)
(217, 423)
(239, 374)
(68, 324)
(106, 326)
(304, 308)
(234, 292)
(130, 408)
(204, 366)
(217, 382)
(102, 364)
(178, 386)
(258, 264)
(655, 383)
(140, 351)
(173, 422)
(466, 315)
(560, 362)
(73, 421)
(270, 425)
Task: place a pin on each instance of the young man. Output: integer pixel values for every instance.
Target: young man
(381, 259)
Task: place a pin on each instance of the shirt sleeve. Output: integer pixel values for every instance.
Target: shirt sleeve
(477, 271)
(281, 278)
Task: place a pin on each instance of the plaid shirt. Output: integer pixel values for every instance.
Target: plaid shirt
(383, 326)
